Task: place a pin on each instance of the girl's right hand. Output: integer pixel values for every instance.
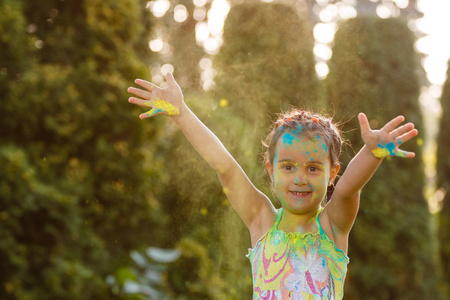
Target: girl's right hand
(168, 101)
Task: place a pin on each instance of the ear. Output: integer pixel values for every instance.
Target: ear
(269, 169)
(334, 171)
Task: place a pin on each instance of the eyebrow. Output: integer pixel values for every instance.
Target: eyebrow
(287, 160)
(291, 160)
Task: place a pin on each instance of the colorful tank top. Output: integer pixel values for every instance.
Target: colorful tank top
(297, 266)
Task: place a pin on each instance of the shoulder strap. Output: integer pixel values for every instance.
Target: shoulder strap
(280, 213)
(318, 222)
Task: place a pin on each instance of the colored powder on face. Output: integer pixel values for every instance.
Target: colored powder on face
(298, 130)
(287, 138)
(323, 145)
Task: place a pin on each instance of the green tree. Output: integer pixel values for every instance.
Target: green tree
(373, 70)
(73, 193)
(443, 173)
(266, 63)
(186, 53)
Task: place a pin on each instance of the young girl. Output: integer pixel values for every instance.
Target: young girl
(300, 250)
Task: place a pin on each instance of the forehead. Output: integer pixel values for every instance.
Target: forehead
(294, 144)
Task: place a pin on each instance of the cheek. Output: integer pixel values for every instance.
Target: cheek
(319, 183)
(280, 179)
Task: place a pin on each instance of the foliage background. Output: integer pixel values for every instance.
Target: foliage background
(84, 183)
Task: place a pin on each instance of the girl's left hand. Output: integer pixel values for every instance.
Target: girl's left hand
(385, 141)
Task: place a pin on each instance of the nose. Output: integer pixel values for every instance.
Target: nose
(300, 178)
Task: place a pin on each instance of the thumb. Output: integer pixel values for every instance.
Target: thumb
(171, 81)
(150, 113)
(363, 123)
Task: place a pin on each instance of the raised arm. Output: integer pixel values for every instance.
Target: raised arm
(248, 201)
(344, 204)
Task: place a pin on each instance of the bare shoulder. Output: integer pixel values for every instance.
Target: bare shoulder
(263, 221)
(338, 237)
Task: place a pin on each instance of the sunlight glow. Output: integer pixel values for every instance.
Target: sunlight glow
(324, 32)
(436, 44)
(199, 14)
(207, 73)
(167, 68)
(156, 45)
(383, 11)
(180, 13)
(217, 15)
(209, 34)
(159, 7)
(349, 2)
(402, 4)
(201, 32)
(205, 63)
(39, 44)
(323, 51)
(200, 3)
(329, 13)
(322, 2)
(322, 70)
(347, 12)
(388, 10)
(212, 45)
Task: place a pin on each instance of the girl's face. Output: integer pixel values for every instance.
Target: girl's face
(301, 171)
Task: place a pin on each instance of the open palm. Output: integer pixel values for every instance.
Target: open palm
(166, 101)
(385, 141)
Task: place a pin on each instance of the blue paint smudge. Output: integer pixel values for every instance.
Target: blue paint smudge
(298, 130)
(287, 138)
(324, 146)
(389, 147)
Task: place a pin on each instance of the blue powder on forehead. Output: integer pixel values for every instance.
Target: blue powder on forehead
(298, 130)
(323, 144)
(287, 138)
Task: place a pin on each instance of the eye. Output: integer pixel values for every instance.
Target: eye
(288, 167)
(313, 169)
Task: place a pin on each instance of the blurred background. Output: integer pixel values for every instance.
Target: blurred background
(97, 204)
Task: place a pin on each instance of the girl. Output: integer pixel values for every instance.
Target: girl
(300, 250)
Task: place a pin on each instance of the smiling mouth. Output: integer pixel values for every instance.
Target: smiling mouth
(300, 194)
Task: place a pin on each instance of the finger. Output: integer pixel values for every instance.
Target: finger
(393, 123)
(363, 123)
(402, 130)
(407, 136)
(150, 113)
(171, 81)
(406, 154)
(140, 102)
(147, 85)
(139, 93)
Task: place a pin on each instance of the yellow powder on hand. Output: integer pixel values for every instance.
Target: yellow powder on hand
(160, 105)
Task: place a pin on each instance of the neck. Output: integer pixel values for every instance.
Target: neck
(302, 223)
